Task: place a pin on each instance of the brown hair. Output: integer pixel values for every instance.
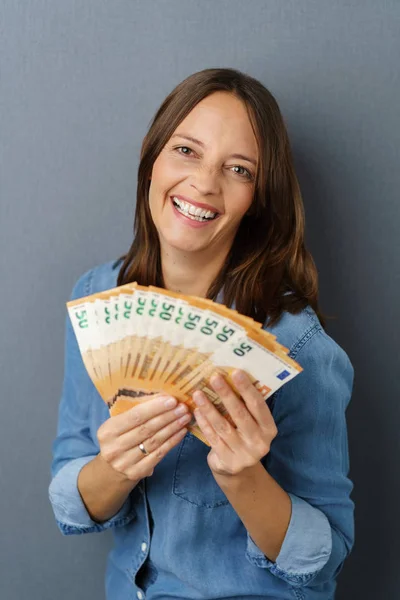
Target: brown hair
(268, 269)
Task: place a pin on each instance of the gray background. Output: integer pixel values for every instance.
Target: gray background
(79, 84)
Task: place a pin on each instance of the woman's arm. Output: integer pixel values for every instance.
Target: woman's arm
(102, 489)
(262, 505)
(93, 478)
(74, 447)
(309, 459)
(105, 482)
(306, 465)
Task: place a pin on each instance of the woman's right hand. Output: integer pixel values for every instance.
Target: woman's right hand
(158, 423)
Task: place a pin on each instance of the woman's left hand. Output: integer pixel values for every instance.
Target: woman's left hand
(234, 450)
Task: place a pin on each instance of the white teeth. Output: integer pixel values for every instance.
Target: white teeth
(199, 214)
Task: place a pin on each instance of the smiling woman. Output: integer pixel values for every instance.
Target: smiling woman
(218, 141)
(204, 187)
(266, 513)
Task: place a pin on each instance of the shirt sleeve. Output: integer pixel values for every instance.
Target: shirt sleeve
(74, 446)
(69, 510)
(309, 459)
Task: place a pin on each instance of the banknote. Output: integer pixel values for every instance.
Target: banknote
(136, 341)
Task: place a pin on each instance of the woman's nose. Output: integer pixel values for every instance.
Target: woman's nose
(206, 181)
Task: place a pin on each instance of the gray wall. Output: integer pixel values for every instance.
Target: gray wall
(79, 84)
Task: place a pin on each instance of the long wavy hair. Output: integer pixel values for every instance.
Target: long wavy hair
(268, 269)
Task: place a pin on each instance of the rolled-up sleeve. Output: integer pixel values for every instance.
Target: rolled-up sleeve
(74, 446)
(69, 510)
(309, 459)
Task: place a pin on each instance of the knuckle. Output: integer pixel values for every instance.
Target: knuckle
(165, 420)
(144, 431)
(135, 417)
(159, 453)
(270, 430)
(264, 448)
(242, 413)
(120, 467)
(271, 433)
(174, 427)
(108, 453)
(102, 434)
(151, 442)
(230, 469)
(135, 474)
(247, 386)
(224, 428)
(100, 438)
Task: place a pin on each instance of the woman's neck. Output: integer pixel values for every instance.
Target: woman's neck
(190, 273)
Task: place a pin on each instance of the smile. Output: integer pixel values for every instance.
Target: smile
(193, 212)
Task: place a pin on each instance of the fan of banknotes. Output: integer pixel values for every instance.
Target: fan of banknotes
(136, 341)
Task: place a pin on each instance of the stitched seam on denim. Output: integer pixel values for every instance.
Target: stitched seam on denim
(290, 576)
(298, 593)
(294, 350)
(103, 526)
(215, 505)
(273, 400)
(97, 527)
(88, 283)
(180, 495)
(117, 522)
(303, 340)
(174, 483)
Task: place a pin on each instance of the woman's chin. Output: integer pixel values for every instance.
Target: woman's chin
(185, 244)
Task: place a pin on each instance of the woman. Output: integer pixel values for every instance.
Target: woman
(266, 512)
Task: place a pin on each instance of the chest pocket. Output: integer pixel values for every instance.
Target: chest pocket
(193, 480)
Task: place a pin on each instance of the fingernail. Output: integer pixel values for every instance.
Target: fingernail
(239, 376)
(182, 408)
(217, 381)
(185, 419)
(198, 398)
(170, 402)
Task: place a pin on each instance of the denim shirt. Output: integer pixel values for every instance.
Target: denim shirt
(177, 536)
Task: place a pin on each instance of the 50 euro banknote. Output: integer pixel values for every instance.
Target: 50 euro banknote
(136, 341)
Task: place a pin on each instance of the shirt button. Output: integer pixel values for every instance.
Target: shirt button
(144, 547)
(140, 595)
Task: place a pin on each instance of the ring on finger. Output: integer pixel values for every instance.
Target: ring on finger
(143, 449)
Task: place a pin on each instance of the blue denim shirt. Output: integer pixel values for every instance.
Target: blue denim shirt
(177, 536)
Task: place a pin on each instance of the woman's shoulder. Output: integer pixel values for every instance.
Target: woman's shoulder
(304, 336)
(97, 279)
(327, 379)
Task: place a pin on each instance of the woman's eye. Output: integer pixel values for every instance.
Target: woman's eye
(184, 150)
(242, 172)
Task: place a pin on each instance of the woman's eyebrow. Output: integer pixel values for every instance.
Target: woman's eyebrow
(202, 145)
(189, 138)
(243, 157)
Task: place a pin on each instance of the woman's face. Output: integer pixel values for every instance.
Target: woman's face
(202, 182)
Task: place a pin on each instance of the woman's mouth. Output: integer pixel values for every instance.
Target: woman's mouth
(192, 212)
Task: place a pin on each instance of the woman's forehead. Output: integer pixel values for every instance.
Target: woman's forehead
(223, 117)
